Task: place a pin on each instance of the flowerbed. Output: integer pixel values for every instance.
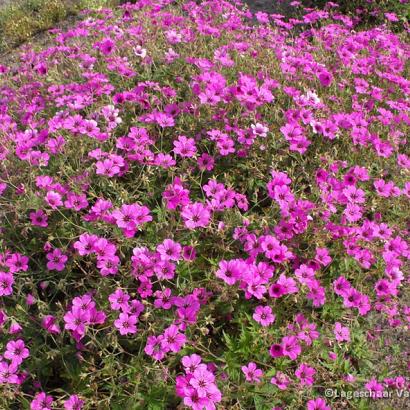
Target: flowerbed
(200, 211)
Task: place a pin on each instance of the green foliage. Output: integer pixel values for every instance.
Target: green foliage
(22, 19)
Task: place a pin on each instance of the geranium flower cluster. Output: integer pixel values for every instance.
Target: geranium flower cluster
(206, 208)
(198, 386)
(83, 313)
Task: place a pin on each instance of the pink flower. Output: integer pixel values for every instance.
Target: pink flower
(252, 373)
(291, 347)
(185, 147)
(39, 218)
(322, 256)
(276, 290)
(263, 315)
(126, 324)
(76, 319)
(164, 270)
(325, 78)
(375, 388)
(196, 215)
(188, 253)
(342, 333)
(354, 195)
(173, 340)
(124, 217)
(276, 350)
(41, 401)
(163, 299)
(384, 288)
(341, 286)
(17, 262)
(305, 374)
(317, 404)
(53, 199)
(76, 202)
(8, 373)
(316, 293)
(225, 146)
(154, 347)
(304, 274)
(280, 380)
(107, 167)
(73, 403)
(169, 250)
(353, 212)
(140, 52)
(229, 271)
(16, 351)
(56, 260)
(130, 217)
(119, 300)
(259, 130)
(108, 265)
(48, 323)
(164, 120)
(206, 162)
(202, 381)
(191, 362)
(86, 243)
(6, 282)
(391, 17)
(106, 46)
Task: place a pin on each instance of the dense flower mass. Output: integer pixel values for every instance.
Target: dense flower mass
(203, 210)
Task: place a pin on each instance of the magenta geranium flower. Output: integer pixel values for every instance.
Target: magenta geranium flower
(53, 199)
(291, 347)
(342, 333)
(73, 403)
(9, 373)
(39, 218)
(173, 339)
(42, 401)
(126, 323)
(130, 217)
(189, 177)
(375, 388)
(119, 300)
(86, 243)
(276, 350)
(196, 215)
(169, 250)
(6, 282)
(264, 315)
(191, 362)
(56, 260)
(154, 347)
(317, 404)
(185, 147)
(305, 374)
(252, 373)
(280, 380)
(16, 351)
(202, 381)
(76, 320)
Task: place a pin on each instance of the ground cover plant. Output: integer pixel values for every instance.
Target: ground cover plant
(200, 210)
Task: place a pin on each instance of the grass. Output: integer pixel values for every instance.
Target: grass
(22, 19)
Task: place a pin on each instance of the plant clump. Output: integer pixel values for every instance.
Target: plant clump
(203, 210)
